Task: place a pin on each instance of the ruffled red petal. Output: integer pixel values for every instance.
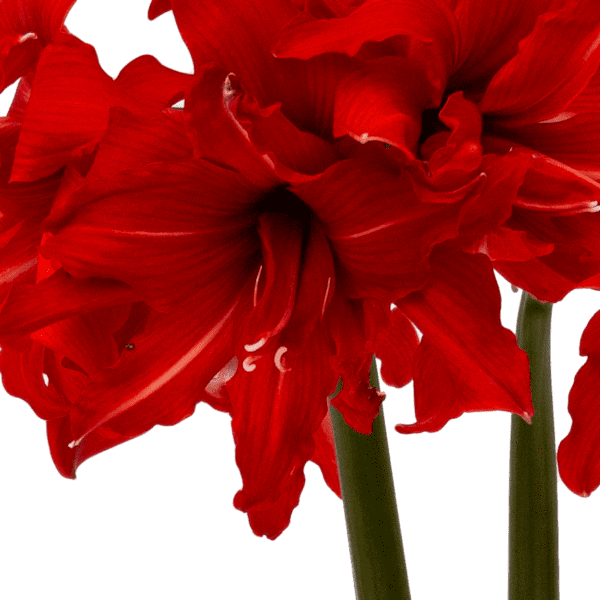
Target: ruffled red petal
(553, 65)
(579, 452)
(155, 382)
(30, 307)
(466, 360)
(366, 208)
(25, 28)
(22, 376)
(275, 416)
(374, 102)
(70, 101)
(354, 326)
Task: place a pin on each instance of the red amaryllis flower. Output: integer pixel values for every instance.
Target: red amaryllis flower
(269, 253)
(465, 94)
(388, 93)
(259, 277)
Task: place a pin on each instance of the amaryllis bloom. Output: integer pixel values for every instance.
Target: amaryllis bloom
(462, 335)
(246, 237)
(262, 248)
(464, 93)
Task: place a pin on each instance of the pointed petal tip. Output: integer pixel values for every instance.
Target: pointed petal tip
(527, 417)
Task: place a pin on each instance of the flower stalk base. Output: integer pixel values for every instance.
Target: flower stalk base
(533, 512)
(372, 522)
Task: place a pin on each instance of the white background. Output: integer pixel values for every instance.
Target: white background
(153, 519)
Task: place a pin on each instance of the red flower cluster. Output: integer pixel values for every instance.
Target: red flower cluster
(330, 161)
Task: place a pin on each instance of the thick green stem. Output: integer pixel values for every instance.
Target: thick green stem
(533, 513)
(370, 507)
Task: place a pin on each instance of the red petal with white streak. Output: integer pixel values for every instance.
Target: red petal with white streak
(216, 133)
(374, 102)
(67, 459)
(275, 415)
(162, 377)
(164, 229)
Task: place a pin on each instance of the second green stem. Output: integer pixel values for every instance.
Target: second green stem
(533, 511)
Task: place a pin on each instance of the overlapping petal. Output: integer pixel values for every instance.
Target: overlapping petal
(375, 103)
(370, 210)
(25, 28)
(428, 23)
(489, 36)
(155, 235)
(553, 65)
(70, 102)
(157, 383)
(31, 306)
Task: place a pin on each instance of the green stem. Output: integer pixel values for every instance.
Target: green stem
(533, 512)
(370, 507)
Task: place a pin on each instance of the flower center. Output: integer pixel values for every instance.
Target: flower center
(281, 201)
(431, 124)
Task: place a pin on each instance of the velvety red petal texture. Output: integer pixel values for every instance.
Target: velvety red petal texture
(30, 307)
(132, 141)
(236, 35)
(421, 21)
(565, 42)
(374, 103)
(74, 95)
(570, 139)
(214, 98)
(25, 28)
(261, 143)
(474, 361)
(579, 452)
(362, 228)
(156, 235)
(490, 33)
